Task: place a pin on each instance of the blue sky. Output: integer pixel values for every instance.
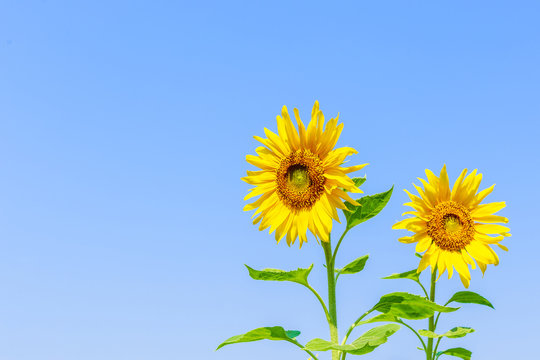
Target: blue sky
(123, 132)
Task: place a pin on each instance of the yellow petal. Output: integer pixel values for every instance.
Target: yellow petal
(473, 188)
(481, 195)
(502, 247)
(276, 142)
(467, 258)
(301, 129)
(351, 169)
(406, 223)
(457, 185)
(424, 262)
(430, 192)
(488, 239)
(491, 219)
(260, 189)
(488, 209)
(423, 244)
(259, 162)
(426, 259)
(444, 186)
(406, 239)
(465, 281)
(432, 178)
(258, 202)
(491, 228)
(441, 263)
(482, 266)
(449, 259)
(461, 266)
(292, 134)
(482, 252)
(344, 196)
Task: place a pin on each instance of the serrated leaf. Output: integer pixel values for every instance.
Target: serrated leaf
(409, 306)
(322, 345)
(457, 352)
(373, 338)
(413, 275)
(366, 343)
(298, 276)
(456, 332)
(264, 333)
(354, 266)
(370, 206)
(469, 297)
(359, 180)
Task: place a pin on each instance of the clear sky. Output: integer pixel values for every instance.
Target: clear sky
(123, 132)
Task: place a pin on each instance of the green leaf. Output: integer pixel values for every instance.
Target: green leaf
(370, 206)
(457, 352)
(264, 333)
(409, 306)
(359, 181)
(354, 266)
(298, 276)
(456, 332)
(413, 275)
(363, 345)
(292, 333)
(378, 318)
(469, 297)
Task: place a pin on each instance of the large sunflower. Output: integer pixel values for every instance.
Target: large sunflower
(301, 181)
(452, 227)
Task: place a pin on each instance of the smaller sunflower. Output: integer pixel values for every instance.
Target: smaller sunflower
(451, 227)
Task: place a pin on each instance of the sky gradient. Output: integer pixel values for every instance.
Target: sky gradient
(124, 127)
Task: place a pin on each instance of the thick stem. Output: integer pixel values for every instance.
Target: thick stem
(327, 246)
(429, 353)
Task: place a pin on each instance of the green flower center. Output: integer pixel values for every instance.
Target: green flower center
(452, 223)
(298, 177)
(300, 180)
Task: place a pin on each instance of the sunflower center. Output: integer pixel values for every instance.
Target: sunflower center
(451, 226)
(298, 177)
(452, 223)
(300, 180)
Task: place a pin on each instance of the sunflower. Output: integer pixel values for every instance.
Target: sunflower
(452, 227)
(301, 182)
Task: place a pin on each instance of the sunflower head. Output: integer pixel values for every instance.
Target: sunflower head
(451, 227)
(300, 181)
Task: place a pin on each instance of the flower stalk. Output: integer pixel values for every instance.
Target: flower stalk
(330, 270)
(429, 352)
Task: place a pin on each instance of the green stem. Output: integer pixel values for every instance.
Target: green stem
(321, 301)
(351, 328)
(437, 319)
(302, 347)
(338, 244)
(415, 333)
(355, 324)
(327, 246)
(423, 288)
(429, 352)
(436, 347)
